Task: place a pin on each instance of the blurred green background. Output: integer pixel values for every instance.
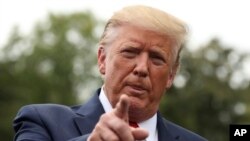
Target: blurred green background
(56, 63)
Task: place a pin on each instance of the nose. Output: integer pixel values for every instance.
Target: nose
(141, 66)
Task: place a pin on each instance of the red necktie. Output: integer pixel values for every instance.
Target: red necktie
(133, 124)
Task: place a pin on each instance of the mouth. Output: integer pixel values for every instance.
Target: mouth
(136, 89)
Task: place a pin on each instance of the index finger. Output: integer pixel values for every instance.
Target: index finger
(122, 107)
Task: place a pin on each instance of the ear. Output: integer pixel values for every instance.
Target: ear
(101, 60)
(171, 76)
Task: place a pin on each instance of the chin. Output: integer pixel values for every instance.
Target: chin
(137, 102)
(137, 106)
(138, 114)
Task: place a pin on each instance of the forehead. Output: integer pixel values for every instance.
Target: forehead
(141, 37)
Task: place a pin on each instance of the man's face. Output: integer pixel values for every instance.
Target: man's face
(138, 63)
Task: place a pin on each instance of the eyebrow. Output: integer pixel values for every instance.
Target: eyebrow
(135, 41)
(154, 50)
(160, 52)
(157, 52)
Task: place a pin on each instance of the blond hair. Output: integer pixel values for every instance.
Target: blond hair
(152, 19)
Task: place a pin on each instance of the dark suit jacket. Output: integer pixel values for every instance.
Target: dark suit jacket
(52, 122)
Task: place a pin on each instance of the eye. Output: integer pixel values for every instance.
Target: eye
(129, 52)
(157, 59)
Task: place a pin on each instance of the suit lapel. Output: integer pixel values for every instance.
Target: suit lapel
(89, 114)
(164, 131)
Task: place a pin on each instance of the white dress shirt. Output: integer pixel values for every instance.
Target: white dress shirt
(149, 124)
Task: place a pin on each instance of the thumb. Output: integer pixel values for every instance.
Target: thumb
(121, 108)
(139, 133)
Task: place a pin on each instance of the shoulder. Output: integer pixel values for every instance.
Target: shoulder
(47, 108)
(41, 111)
(43, 121)
(185, 134)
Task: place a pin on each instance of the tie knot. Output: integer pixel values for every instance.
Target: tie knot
(133, 124)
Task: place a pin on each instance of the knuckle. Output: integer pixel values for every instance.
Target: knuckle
(98, 127)
(93, 137)
(111, 138)
(105, 117)
(102, 118)
(120, 126)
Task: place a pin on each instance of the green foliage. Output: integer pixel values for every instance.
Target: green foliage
(206, 98)
(52, 65)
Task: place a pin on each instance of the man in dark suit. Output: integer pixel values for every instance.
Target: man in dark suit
(138, 57)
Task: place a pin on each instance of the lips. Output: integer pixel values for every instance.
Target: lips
(137, 89)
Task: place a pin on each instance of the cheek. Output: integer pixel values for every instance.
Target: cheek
(159, 78)
(159, 81)
(116, 71)
(121, 66)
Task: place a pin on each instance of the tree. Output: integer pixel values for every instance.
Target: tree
(206, 98)
(55, 64)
